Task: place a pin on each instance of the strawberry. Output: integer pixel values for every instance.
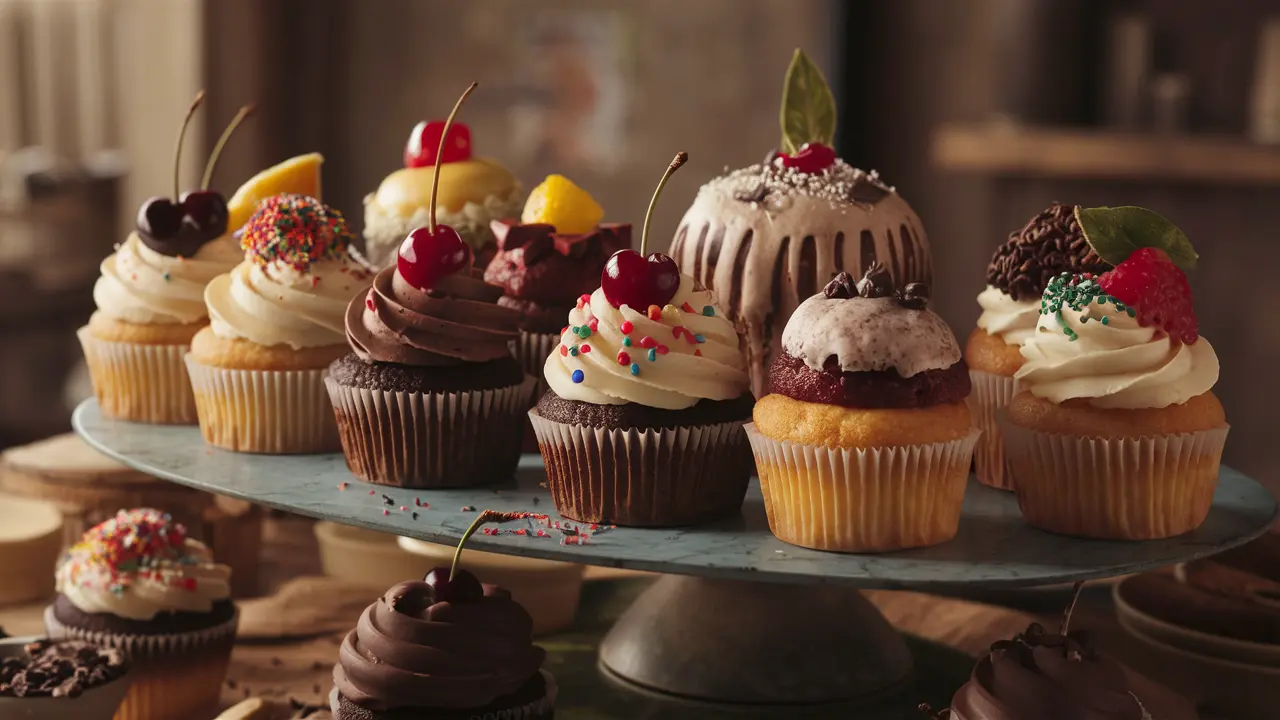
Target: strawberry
(1157, 290)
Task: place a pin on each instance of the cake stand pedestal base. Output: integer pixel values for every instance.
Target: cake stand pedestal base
(752, 643)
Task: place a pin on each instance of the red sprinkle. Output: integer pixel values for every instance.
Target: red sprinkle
(685, 307)
(648, 342)
(521, 531)
(675, 331)
(386, 512)
(371, 492)
(417, 502)
(403, 508)
(584, 349)
(626, 327)
(655, 313)
(564, 329)
(564, 350)
(663, 349)
(368, 300)
(594, 324)
(623, 358)
(342, 486)
(190, 584)
(697, 352)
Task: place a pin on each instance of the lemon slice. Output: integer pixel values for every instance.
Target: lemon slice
(558, 201)
(299, 175)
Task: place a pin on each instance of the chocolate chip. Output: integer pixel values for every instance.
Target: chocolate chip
(59, 669)
(1050, 243)
(841, 287)
(876, 282)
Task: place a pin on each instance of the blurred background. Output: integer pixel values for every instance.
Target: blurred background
(980, 112)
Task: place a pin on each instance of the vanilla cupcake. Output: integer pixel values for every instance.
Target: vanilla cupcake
(1051, 243)
(1117, 433)
(276, 324)
(864, 441)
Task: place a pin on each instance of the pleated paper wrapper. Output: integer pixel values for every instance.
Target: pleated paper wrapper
(862, 500)
(541, 709)
(279, 412)
(991, 394)
(1124, 488)
(431, 440)
(532, 350)
(174, 677)
(644, 478)
(140, 383)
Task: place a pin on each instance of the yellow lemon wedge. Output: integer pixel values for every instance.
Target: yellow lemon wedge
(557, 201)
(299, 175)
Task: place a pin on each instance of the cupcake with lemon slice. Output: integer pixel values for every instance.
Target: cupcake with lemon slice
(299, 175)
(549, 260)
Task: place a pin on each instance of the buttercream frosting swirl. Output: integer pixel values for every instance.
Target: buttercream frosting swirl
(140, 285)
(1099, 353)
(456, 321)
(1013, 321)
(139, 564)
(670, 360)
(410, 652)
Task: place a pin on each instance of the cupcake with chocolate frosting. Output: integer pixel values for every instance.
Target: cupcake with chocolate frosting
(864, 441)
(1051, 243)
(413, 655)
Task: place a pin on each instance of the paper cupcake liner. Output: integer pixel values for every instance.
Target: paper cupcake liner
(541, 709)
(644, 478)
(1124, 488)
(430, 440)
(532, 350)
(174, 677)
(142, 383)
(263, 411)
(862, 500)
(991, 394)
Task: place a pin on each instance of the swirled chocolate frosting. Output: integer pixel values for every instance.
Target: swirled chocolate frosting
(456, 321)
(1043, 676)
(408, 651)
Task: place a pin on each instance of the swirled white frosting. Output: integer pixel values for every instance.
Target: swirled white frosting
(1013, 321)
(696, 355)
(869, 334)
(140, 285)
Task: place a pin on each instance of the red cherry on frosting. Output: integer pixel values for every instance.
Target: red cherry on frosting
(425, 257)
(811, 158)
(463, 587)
(631, 279)
(424, 140)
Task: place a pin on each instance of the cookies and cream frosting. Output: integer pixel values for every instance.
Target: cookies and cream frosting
(1013, 321)
(668, 358)
(139, 564)
(140, 285)
(1092, 348)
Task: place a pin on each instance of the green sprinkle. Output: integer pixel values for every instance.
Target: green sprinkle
(653, 354)
(708, 311)
(627, 341)
(1106, 320)
(574, 351)
(584, 332)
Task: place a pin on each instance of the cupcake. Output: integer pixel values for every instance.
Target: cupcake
(138, 584)
(548, 260)
(429, 395)
(276, 324)
(1051, 243)
(149, 300)
(864, 441)
(1117, 433)
(642, 424)
(766, 237)
(445, 647)
(474, 191)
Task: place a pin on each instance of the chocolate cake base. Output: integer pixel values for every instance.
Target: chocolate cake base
(511, 707)
(162, 624)
(877, 389)
(630, 415)
(350, 370)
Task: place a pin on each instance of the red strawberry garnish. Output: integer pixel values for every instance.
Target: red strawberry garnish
(1158, 292)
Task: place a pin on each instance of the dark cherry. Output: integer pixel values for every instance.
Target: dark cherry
(464, 587)
(159, 218)
(810, 158)
(425, 257)
(630, 278)
(424, 141)
(208, 210)
(181, 228)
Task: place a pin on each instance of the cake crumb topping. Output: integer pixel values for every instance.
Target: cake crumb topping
(839, 183)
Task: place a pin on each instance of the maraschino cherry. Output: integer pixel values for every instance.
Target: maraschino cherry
(427, 144)
(436, 250)
(630, 278)
(811, 158)
(451, 584)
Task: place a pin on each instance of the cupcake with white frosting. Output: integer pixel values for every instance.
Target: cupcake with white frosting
(276, 322)
(864, 441)
(1051, 243)
(1117, 433)
(137, 583)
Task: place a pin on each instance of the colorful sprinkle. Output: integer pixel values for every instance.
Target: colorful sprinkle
(655, 313)
(708, 310)
(468, 508)
(584, 332)
(386, 512)
(296, 230)
(415, 516)
(403, 508)
(653, 354)
(342, 486)
(573, 351)
(700, 338)
(594, 324)
(585, 348)
(368, 300)
(697, 353)
(626, 327)
(564, 350)
(648, 342)
(624, 358)
(577, 376)
(662, 349)
(166, 276)
(626, 341)
(635, 369)
(687, 307)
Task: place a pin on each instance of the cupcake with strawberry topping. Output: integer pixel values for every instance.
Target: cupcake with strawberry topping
(642, 424)
(1117, 433)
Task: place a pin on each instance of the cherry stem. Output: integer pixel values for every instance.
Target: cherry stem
(177, 150)
(680, 159)
(435, 179)
(1066, 616)
(222, 141)
(484, 517)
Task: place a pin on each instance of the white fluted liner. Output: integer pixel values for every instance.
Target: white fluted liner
(532, 350)
(1124, 488)
(141, 383)
(862, 500)
(431, 440)
(991, 394)
(278, 412)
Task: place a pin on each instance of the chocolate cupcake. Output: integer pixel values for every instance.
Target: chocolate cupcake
(864, 441)
(414, 656)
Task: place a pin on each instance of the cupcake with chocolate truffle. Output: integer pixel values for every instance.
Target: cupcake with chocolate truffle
(137, 583)
(1116, 433)
(642, 424)
(429, 395)
(548, 260)
(864, 441)
(1051, 243)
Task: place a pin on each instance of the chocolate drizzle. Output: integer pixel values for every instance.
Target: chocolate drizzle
(1051, 243)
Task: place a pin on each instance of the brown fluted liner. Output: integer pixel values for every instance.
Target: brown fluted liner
(544, 708)
(532, 350)
(431, 440)
(261, 411)
(991, 394)
(644, 478)
(142, 383)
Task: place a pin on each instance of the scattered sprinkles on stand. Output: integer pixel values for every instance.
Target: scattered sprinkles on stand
(296, 230)
(1077, 292)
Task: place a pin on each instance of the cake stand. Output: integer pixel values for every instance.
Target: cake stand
(741, 617)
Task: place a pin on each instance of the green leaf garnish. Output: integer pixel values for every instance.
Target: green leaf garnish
(808, 108)
(1115, 233)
